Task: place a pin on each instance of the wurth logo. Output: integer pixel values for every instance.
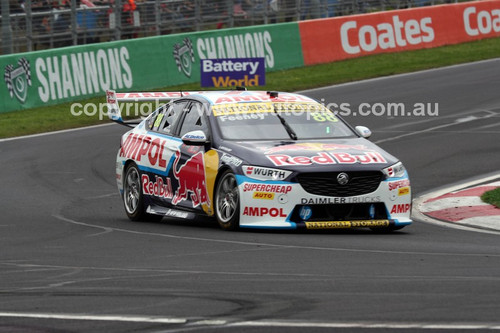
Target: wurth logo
(265, 173)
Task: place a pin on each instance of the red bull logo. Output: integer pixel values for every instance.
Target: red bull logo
(315, 147)
(191, 178)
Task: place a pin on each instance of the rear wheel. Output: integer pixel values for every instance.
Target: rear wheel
(133, 197)
(227, 201)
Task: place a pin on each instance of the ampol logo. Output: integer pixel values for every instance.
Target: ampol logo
(184, 56)
(18, 79)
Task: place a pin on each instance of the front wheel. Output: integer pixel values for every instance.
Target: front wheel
(133, 197)
(227, 201)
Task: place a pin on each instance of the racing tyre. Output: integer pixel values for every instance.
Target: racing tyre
(227, 201)
(133, 197)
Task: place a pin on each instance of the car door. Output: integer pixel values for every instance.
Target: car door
(157, 181)
(195, 166)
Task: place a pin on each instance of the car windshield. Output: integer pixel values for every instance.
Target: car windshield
(269, 121)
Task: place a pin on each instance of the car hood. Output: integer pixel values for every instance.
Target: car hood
(312, 155)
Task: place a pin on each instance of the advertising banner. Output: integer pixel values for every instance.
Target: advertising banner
(74, 73)
(231, 72)
(345, 37)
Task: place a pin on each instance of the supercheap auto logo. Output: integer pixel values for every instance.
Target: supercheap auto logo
(18, 79)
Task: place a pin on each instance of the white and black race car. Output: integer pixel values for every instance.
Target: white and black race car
(256, 159)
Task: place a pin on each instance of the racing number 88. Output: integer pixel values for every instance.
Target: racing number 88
(321, 117)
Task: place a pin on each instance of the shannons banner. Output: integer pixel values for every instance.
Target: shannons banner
(67, 74)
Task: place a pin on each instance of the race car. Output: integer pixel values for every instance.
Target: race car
(256, 159)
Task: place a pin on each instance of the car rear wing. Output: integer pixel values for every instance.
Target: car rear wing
(114, 110)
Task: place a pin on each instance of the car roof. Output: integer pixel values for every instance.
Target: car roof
(239, 96)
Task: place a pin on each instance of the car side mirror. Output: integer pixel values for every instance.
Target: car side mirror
(195, 138)
(363, 131)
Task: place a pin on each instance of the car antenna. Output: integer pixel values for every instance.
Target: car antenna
(181, 93)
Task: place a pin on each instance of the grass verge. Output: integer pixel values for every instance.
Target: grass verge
(492, 197)
(51, 118)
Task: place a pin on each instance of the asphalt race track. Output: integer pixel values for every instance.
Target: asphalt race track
(71, 261)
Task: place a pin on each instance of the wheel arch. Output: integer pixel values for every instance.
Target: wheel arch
(223, 168)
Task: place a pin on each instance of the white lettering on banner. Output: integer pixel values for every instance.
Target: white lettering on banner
(483, 23)
(387, 35)
(230, 66)
(248, 45)
(83, 73)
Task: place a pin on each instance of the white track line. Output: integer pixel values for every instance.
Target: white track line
(372, 325)
(255, 323)
(89, 317)
(375, 79)
(70, 130)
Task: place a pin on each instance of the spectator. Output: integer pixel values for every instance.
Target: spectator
(332, 6)
(288, 8)
(15, 7)
(129, 8)
(86, 21)
(171, 13)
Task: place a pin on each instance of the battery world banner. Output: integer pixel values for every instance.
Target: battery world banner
(246, 72)
(345, 37)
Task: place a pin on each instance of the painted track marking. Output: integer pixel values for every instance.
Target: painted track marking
(255, 323)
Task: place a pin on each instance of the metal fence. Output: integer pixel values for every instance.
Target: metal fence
(35, 25)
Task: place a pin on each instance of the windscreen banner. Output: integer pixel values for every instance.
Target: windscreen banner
(345, 37)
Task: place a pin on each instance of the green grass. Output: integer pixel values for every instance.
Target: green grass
(492, 197)
(58, 117)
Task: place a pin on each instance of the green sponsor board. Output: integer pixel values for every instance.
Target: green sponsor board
(61, 75)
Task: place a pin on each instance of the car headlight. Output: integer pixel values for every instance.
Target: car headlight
(394, 171)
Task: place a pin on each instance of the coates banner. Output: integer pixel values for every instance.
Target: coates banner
(244, 72)
(398, 30)
(69, 74)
